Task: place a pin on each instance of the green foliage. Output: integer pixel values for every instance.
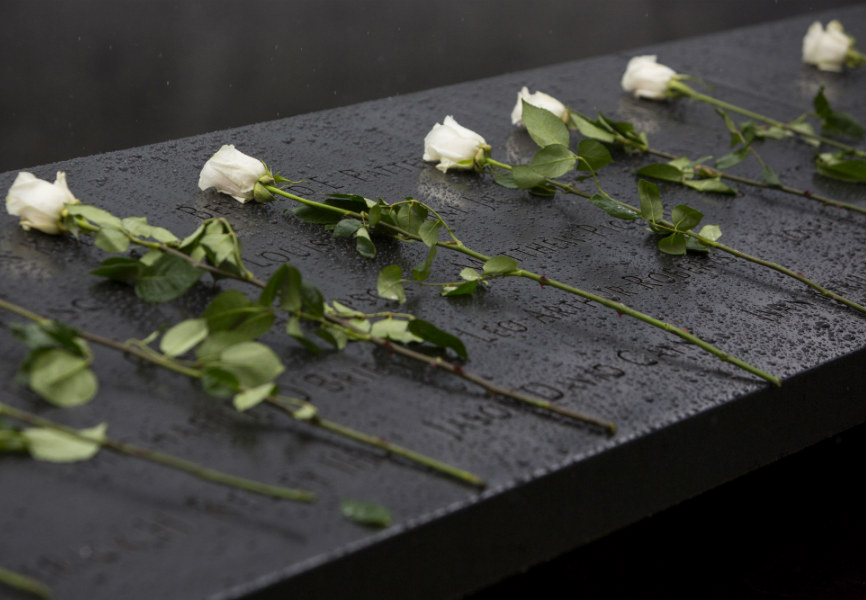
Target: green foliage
(675, 244)
(57, 366)
(365, 513)
(553, 161)
(710, 232)
(685, 217)
(499, 265)
(251, 397)
(651, 208)
(52, 445)
(432, 334)
(613, 208)
(594, 156)
(662, 171)
(543, 126)
(168, 278)
(388, 284)
(183, 337)
(833, 122)
(609, 132)
(839, 165)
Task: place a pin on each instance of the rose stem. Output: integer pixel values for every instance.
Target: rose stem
(165, 459)
(24, 583)
(753, 182)
(332, 426)
(617, 306)
(667, 225)
(682, 88)
(398, 349)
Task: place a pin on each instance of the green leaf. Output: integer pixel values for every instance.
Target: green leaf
(62, 379)
(710, 232)
(218, 382)
(590, 129)
(498, 265)
(429, 232)
(220, 246)
(333, 335)
(661, 171)
(97, 216)
(422, 271)
(138, 227)
(374, 215)
(837, 166)
(311, 299)
(593, 153)
(226, 310)
(732, 128)
(675, 244)
(411, 216)
(651, 208)
(554, 160)
(210, 349)
(363, 244)
(111, 240)
(506, 179)
(613, 208)
(464, 289)
(822, 107)
(543, 126)
(120, 268)
(293, 329)
(183, 337)
(770, 176)
(469, 274)
(430, 333)
(251, 362)
(52, 445)
(710, 185)
(316, 215)
(526, 177)
(275, 284)
(347, 227)
(394, 329)
(685, 217)
(732, 158)
(290, 292)
(352, 202)
(253, 396)
(388, 284)
(365, 513)
(167, 279)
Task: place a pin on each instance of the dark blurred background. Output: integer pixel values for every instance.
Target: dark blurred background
(89, 76)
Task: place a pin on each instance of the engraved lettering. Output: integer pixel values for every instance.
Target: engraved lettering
(353, 174)
(638, 281)
(194, 212)
(636, 358)
(542, 390)
(325, 183)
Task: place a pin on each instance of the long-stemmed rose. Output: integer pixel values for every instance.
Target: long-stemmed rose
(539, 100)
(646, 78)
(409, 221)
(40, 204)
(237, 174)
(454, 146)
(830, 49)
(678, 231)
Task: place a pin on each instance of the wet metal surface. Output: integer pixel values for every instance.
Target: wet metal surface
(687, 422)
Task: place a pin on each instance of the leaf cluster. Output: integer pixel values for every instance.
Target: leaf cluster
(683, 220)
(52, 445)
(57, 366)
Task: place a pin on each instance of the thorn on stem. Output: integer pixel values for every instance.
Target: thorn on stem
(458, 369)
(807, 193)
(542, 280)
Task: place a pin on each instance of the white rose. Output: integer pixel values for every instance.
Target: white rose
(232, 172)
(454, 146)
(826, 49)
(39, 204)
(540, 100)
(646, 78)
